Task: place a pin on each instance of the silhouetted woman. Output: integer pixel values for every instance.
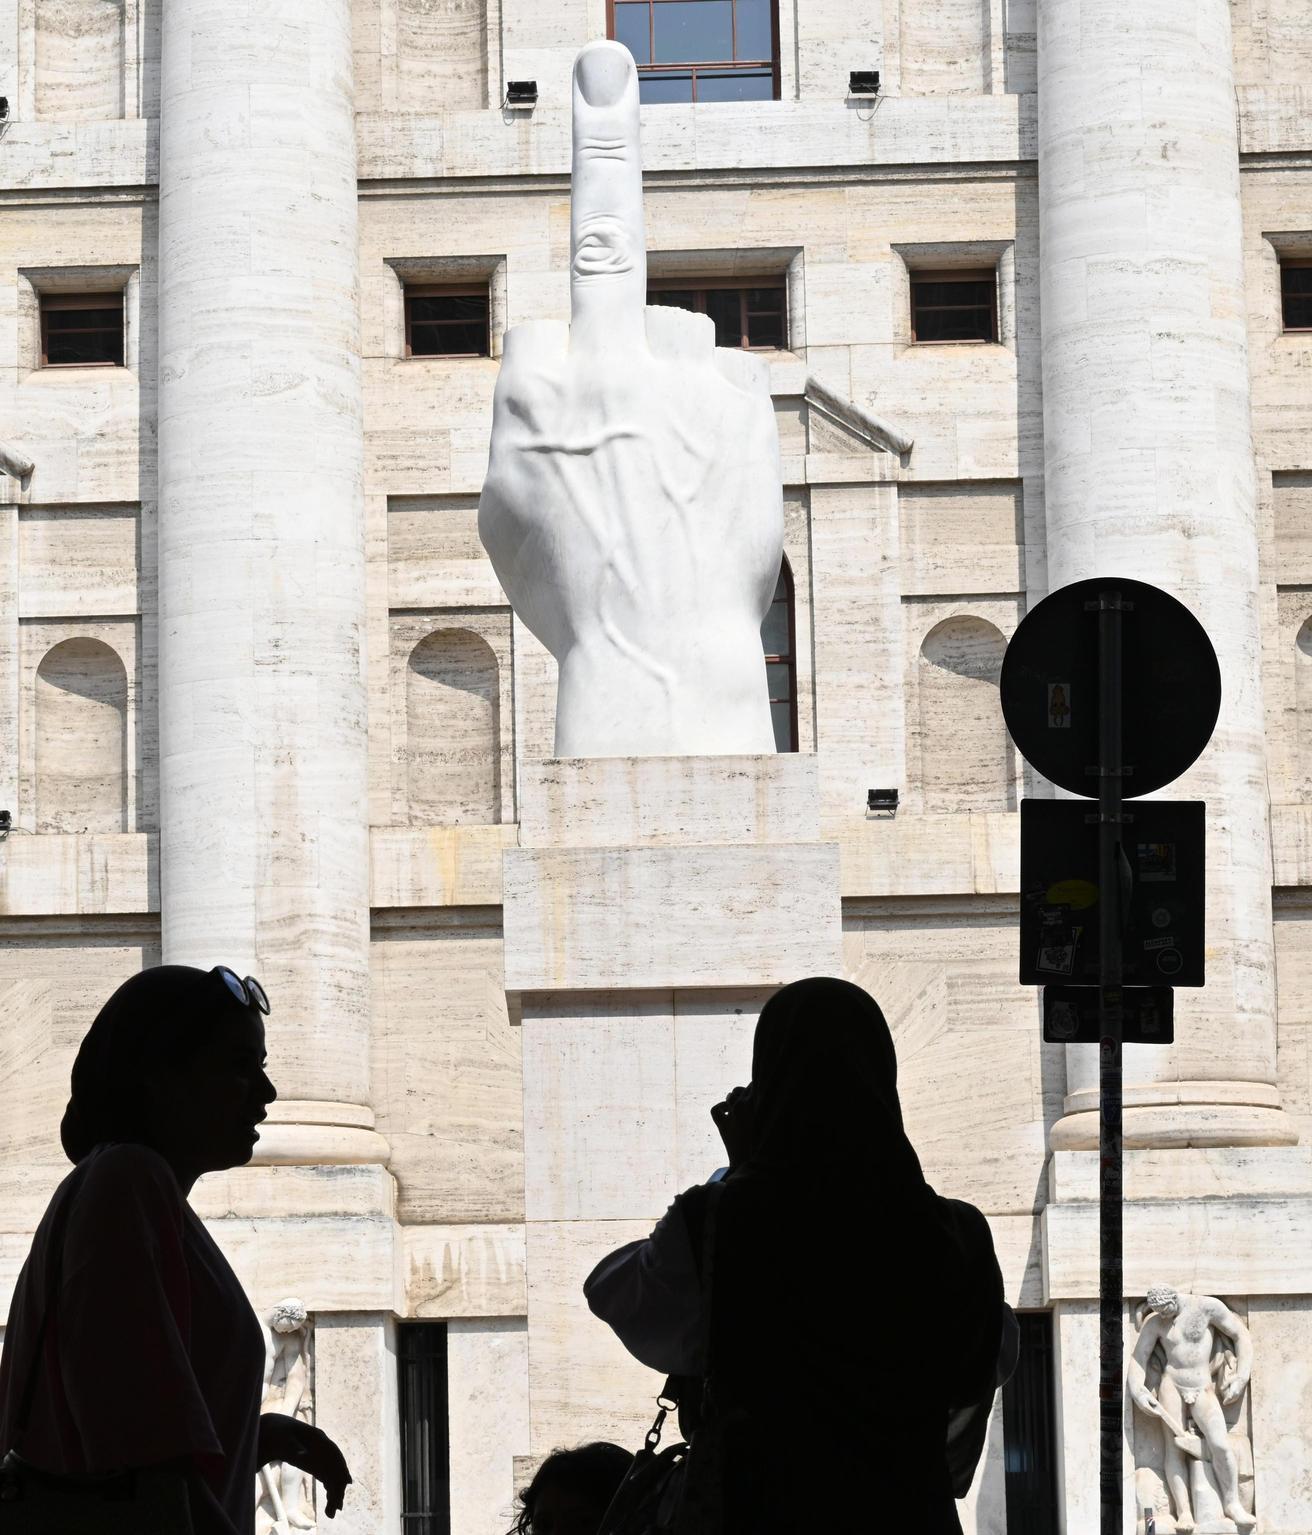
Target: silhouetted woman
(852, 1308)
(152, 1355)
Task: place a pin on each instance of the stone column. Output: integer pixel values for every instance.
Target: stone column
(263, 845)
(1149, 473)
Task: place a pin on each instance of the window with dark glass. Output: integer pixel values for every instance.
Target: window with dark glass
(81, 330)
(422, 1403)
(1296, 293)
(779, 641)
(700, 50)
(1029, 1441)
(447, 321)
(754, 316)
(954, 306)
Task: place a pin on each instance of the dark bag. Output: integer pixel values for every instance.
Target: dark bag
(36, 1502)
(679, 1490)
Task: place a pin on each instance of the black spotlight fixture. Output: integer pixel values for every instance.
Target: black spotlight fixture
(4, 109)
(863, 82)
(881, 802)
(6, 824)
(522, 94)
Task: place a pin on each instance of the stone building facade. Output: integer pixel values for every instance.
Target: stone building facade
(263, 702)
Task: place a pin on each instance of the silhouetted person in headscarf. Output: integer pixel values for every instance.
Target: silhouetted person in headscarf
(852, 1308)
(571, 1490)
(152, 1355)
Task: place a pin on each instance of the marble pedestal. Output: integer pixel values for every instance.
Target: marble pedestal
(652, 906)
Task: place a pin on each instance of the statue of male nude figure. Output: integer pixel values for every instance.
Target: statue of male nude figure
(1185, 1326)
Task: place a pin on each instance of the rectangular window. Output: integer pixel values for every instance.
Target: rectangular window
(700, 50)
(81, 330)
(1296, 292)
(954, 306)
(448, 321)
(1028, 1435)
(422, 1402)
(778, 640)
(755, 316)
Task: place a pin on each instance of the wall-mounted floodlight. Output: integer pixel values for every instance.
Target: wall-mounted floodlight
(863, 82)
(521, 95)
(4, 109)
(6, 824)
(881, 802)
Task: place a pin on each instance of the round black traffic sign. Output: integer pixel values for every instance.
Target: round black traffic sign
(1171, 686)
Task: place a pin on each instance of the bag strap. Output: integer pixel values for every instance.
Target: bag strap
(53, 1287)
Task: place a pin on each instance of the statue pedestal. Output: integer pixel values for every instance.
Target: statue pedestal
(652, 906)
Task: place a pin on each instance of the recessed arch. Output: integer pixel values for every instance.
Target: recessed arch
(81, 738)
(965, 753)
(453, 730)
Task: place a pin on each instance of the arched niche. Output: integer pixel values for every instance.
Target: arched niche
(965, 754)
(1303, 710)
(453, 731)
(81, 739)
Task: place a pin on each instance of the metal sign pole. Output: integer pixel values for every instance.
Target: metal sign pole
(1111, 934)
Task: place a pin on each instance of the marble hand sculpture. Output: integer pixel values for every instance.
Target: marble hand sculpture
(1189, 1402)
(633, 507)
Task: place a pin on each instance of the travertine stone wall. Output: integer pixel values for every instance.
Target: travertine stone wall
(945, 47)
(79, 59)
(965, 753)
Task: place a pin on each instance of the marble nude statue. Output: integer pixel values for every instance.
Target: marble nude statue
(633, 508)
(283, 1491)
(1205, 1358)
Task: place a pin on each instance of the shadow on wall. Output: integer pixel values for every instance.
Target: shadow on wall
(453, 731)
(81, 739)
(966, 757)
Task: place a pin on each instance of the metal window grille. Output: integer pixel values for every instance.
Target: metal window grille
(448, 321)
(752, 315)
(82, 330)
(425, 1462)
(954, 306)
(1028, 1432)
(779, 641)
(700, 50)
(1296, 293)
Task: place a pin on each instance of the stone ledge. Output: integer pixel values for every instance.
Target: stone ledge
(78, 873)
(437, 865)
(1236, 1246)
(593, 919)
(1230, 1172)
(972, 852)
(599, 802)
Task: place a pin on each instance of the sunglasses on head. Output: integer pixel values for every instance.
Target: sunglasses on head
(248, 992)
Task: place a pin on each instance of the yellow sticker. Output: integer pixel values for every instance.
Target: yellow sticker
(1075, 893)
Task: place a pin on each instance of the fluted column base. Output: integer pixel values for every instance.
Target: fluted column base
(310, 1132)
(1181, 1114)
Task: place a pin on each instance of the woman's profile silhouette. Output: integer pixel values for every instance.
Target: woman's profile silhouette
(853, 1310)
(130, 1343)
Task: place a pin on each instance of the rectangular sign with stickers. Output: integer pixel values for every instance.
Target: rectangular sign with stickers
(1162, 842)
(1072, 1015)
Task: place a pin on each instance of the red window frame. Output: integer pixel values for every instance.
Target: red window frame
(109, 301)
(699, 287)
(704, 66)
(1287, 264)
(448, 290)
(964, 274)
